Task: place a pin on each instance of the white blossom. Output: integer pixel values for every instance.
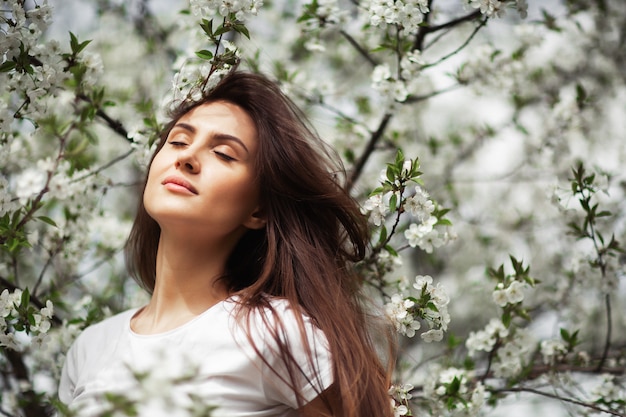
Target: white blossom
(420, 205)
(433, 335)
(609, 390)
(509, 363)
(398, 312)
(500, 297)
(9, 341)
(377, 208)
(389, 87)
(431, 240)
(406, 14)
(48, 310)
(243, 9)
(9, 301)
(488, 7)
(552, 350)
(6, 200)
(399, 410)
(515, 292)
(30, 183)
(484, 340)
(418, 234)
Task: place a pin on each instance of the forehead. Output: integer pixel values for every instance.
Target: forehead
(222, 117)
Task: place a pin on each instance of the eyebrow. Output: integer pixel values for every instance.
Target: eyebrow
(217, 136)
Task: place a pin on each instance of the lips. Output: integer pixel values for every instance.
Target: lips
(177, 183)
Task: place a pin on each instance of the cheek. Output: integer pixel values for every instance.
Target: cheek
(243, 193)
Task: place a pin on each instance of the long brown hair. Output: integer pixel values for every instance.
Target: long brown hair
(314, 232)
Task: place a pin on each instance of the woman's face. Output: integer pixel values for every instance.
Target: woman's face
(202, 181)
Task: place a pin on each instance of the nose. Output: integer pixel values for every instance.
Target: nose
(187, 161)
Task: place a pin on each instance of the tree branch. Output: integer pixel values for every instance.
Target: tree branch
(564, 399)
(105, 166)
(461, 47)
(115, 125)
(32, 406)
(454, 22)
(357, 170)
(359, 48)
(34, 300)
(418, 43)
(544, 369)
(609, 331)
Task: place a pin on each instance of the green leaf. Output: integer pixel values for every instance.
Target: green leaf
(241, 28)
(506, 318)
(453, 342)
(221, 29)
(310, 11)
(376, 191)
(383, 234)
(47, 220)
(204, 54)
(25, 300)
(391, 250)
(400, 158)
(73, 41)
(75, 45)
(454, 386)
(393, 202)
(390, 174)
(581, 95)
(7, 66)
(207, 27)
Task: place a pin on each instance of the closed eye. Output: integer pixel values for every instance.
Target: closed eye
(224, 156)
(176, 143)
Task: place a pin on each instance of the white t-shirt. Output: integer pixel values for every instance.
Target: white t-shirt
(210, 356)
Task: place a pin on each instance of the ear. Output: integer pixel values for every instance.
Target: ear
(257, 220)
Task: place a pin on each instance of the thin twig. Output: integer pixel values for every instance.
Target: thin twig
(455, 22)
(564, 399)
(32, 406)
(399, 211)
(33, 299)
(115, 125)
(423, 97)
(45, 268)
(591, 233)
(424, 29)
(609, 331)
(105, 166)
(357, 170)
(461, 47)
(359, 48)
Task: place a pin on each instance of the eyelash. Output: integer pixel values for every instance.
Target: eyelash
(220, 155)
(223, 156)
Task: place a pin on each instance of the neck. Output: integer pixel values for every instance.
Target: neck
(187, 284)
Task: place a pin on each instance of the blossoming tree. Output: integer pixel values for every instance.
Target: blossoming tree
(484, 139)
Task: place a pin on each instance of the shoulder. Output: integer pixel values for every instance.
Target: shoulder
(295, 352)
(284, 321)
(106, 330)
(90, 352)
(276, 312)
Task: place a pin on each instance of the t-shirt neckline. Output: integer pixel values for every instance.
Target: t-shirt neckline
(175, 329)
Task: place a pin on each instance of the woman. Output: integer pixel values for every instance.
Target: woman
(245, 241)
